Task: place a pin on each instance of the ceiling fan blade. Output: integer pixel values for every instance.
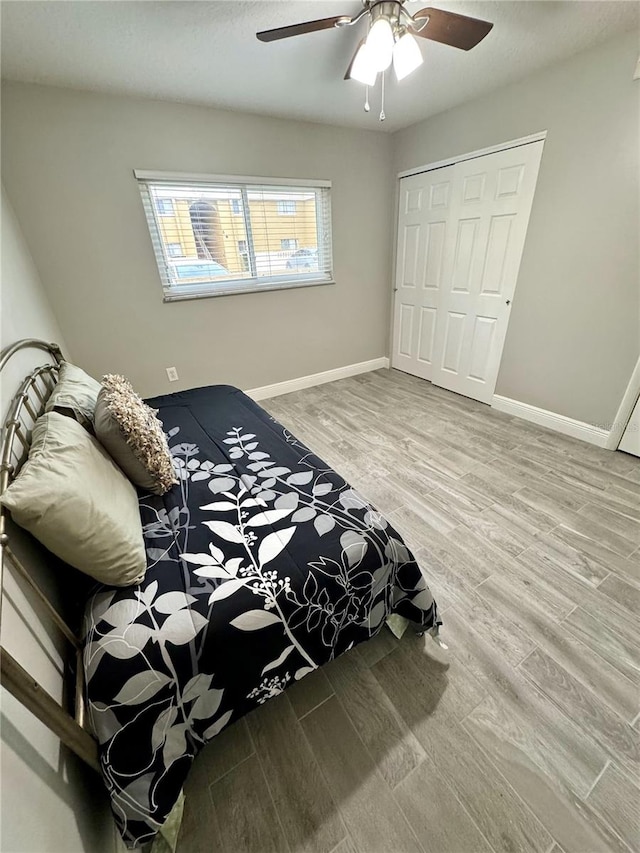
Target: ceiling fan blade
(300, 29)
(452, 29)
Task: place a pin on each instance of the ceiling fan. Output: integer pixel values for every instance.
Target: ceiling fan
(390, 37)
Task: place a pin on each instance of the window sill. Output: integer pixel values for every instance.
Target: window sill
(181, 297)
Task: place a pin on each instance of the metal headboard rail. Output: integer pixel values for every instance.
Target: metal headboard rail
(25, 408)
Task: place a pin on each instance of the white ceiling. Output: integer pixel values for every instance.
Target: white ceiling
(207, 53)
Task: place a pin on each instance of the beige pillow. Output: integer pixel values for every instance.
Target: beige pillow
(133, 436)
(78, 503)
(75, 390)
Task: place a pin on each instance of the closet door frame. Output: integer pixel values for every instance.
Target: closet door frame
(471, 155)
(625, 410)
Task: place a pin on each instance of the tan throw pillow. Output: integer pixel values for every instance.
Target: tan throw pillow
(75, 391)
(78, 503)
(133, 435)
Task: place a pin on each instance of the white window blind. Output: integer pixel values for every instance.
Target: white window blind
(229, 235)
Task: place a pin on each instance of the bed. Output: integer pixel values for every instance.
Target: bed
(262, 565)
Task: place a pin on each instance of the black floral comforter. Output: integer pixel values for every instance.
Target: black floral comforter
(263, 564)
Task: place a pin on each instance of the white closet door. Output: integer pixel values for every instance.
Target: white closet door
(490, 207)
(424, 211)
(465, 264)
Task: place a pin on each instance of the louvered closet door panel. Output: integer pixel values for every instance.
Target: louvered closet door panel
(491, 200)
(422, 233)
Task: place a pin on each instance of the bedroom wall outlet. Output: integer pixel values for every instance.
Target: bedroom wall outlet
(172, 374)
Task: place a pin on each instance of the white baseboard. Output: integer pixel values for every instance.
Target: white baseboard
(290, 385)
(552, 420)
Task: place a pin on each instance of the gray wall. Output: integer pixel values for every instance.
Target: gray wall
(26, 310)
(67, 160)
(49, 800)
(574, 335)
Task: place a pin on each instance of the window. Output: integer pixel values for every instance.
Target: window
(206, 249)
(175, 250)
(286, 207)
(243, 249)
(165, 206)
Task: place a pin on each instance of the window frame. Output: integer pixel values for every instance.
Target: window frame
(258, 284)
(180, 253)
(171, 212)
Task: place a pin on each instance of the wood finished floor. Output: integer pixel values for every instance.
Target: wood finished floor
(530, 542)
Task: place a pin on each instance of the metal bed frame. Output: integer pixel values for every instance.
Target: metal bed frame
(24, 409)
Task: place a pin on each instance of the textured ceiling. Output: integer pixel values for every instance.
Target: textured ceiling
(206, 53)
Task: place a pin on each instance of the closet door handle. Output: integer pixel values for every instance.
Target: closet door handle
(508, 302)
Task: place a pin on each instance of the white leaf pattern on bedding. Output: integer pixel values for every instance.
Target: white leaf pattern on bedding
(304, 514)
(253, 620)
(165, 720)
(224, 530)
(141, 687)
(212, 572)
(273, 544)
(279, 660)
(182, 627)
(323, 524)
(300, 479)
(217, 727)
(169, 602)
(269, 517)
(225, 590)
(219, 506)
(305, 670)
(175, 744)
(223, 484)
(122, 613)
(354, 547)
(233, 565)
(212, 559)
(214, 584)
(120, 648)
(289, 501)
(206, 705)
(196, 686)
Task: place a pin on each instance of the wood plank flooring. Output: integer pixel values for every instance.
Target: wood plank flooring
(530, 741)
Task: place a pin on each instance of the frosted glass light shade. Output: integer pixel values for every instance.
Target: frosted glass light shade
(406, 56)
(380, 43)
(363, 67)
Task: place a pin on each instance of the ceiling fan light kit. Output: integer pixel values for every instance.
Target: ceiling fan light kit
(363, 67)
(407, 55)
(391, 37)
(380, 44)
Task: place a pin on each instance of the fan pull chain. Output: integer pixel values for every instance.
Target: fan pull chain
(382, 115)
(367, 106)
